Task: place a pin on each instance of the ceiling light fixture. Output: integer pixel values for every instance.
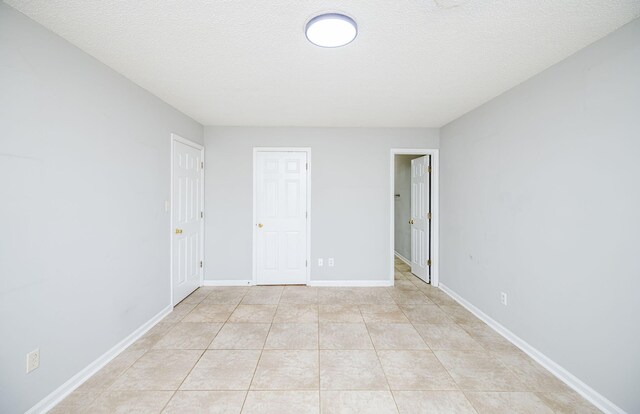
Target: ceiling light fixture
(331, 30)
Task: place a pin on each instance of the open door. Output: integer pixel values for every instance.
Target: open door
(186, 218)
(420, 220)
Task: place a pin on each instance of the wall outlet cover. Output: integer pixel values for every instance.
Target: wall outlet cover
(33, 360)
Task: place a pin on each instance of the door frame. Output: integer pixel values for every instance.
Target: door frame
(182, 140)
(435, 210)
(254, 222)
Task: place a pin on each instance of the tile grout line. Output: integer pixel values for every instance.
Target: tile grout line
(246, 396)
(375, 350)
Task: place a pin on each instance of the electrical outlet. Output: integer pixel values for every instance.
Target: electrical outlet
(331, 262)
(33, 360)
(503, 298)
(320, 262)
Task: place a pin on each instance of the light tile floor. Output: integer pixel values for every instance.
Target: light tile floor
(296, 349)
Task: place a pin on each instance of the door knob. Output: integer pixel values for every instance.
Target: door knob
(178, 231)
(411, 221)
(260, 225)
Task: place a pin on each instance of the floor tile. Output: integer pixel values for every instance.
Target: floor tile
(421, 313)
(206, 402)
(567, 403)
(487, 337)
(206, 312)
(436, 295)
(158, 369)
(460, 314)
(263, 295)
(335, 296)
(532, 374)
(223, 370)
(477, 371)
(409, 297)
(432, 402)
(507, 403)
(340, 313)
(179, 312)
(129, 402)
(351, 370)
(287, 370)
(292, 336)
(415, 370)
(404, 284)
(110, 372)
(370, 296)
(358, 402)
(295, 313)
(446, 336)
(344, 336)
(383, 314)
(241, 336)
(395, 336)
(225, 296)
(253, 314)
(150, 338)
(189, 335)
(76, 403)
(300, 295)
(279, 402)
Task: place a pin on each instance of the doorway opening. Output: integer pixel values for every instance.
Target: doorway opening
(281, 216)
(414, 213)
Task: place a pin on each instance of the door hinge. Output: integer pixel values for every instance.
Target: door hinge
(200, 263)
(429, 262)
(306, 214)
(202, 164)
(428, 169)
(202, 214)
(429, 215)
(306, 166)
(306, 263)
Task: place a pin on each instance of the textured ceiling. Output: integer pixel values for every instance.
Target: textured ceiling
(247, 62)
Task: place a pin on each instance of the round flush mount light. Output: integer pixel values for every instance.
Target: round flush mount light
(331, 30)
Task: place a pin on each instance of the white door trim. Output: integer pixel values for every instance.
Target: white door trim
(435, 211)
(178, 138)
(254, 222)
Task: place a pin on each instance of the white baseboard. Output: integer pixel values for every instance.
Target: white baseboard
(351, 283)
(51, 400)
(227, 282)
(401, 257)
(565, 376)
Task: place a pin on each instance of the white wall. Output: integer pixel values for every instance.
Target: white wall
(540, 196)
(402, 204)
(84, 173)
(349, 197)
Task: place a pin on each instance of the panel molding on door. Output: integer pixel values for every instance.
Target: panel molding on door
(420, 217)
(281, 226)
(187, 207)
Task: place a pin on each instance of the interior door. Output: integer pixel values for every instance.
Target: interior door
(187, 219)
(420, 220)
(281, 218)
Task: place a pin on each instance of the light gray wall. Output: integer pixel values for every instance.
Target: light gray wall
(540, 196)
(349, 197)
(84, 174)
(402, 213)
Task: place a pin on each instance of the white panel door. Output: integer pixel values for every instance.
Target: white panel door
(420, 220)
(281, 218)
(186, 211)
